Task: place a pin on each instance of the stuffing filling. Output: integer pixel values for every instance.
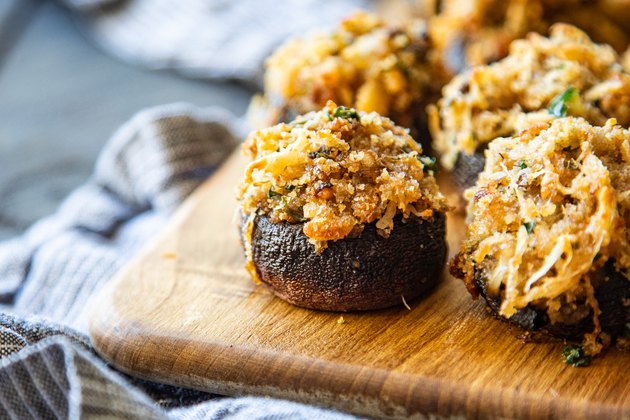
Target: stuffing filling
(363, 64)
(542, 78)
(335, 171)
(550, 208)
(476, 32)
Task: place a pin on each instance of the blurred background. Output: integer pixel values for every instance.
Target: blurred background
(61, 98)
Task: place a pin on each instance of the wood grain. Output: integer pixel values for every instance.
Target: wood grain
(185, 312)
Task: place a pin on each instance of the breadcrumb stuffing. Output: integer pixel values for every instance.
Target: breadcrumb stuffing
(363, 63)
(477, 32)
(515, 93)
(336, 170)
(550, 208)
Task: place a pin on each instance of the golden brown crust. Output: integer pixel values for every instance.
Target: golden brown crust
(475, 32)
(337, 170)
(363, 64)
(509, 96)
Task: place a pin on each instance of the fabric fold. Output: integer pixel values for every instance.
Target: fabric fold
(143, 173)
(206, 39)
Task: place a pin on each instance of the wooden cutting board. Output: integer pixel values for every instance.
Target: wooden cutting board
(185, 312)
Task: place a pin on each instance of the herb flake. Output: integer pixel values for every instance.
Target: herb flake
(321, 152)
(345, 113)
(559, 106)
(272, 193)
(296, 215)
(428, 162)
(529, 226)
(574, 355)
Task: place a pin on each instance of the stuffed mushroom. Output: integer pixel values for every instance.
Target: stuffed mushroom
(364, 63)
(341, 212)
(467, 33)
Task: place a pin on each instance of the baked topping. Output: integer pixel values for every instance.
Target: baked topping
(476, 32)
(362, 64)
(566, 73)
(336, 170)
(550, 208)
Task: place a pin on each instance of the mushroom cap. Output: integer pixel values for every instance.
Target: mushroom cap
(351, 274)
(468, 167)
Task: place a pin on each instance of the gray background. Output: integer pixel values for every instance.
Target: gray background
(60, 100)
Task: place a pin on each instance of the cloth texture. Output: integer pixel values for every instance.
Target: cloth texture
(206, 38)
(48, 368)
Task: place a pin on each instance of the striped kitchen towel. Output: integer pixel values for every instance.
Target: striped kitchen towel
(205, 38)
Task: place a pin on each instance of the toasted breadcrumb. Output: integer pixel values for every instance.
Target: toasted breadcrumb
(337, 170)
(513, 94)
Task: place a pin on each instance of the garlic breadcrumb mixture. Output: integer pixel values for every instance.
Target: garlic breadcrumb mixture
(548, 211)
(336, 170)
(364, 64)
(542, 78)
(475, 32)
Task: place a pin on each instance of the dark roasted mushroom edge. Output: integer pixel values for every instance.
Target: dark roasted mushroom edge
(612, 291)
(352, 274)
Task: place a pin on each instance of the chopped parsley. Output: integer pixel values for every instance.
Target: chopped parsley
(559, 106)
(574, 355)
(296, 215)
(346, 113)
(272, 193)
(522, 164)
(428, 162)
(529, 226)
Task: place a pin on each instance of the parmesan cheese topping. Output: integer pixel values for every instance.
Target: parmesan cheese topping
(550, 208)
(513, 94)
(336, 170)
